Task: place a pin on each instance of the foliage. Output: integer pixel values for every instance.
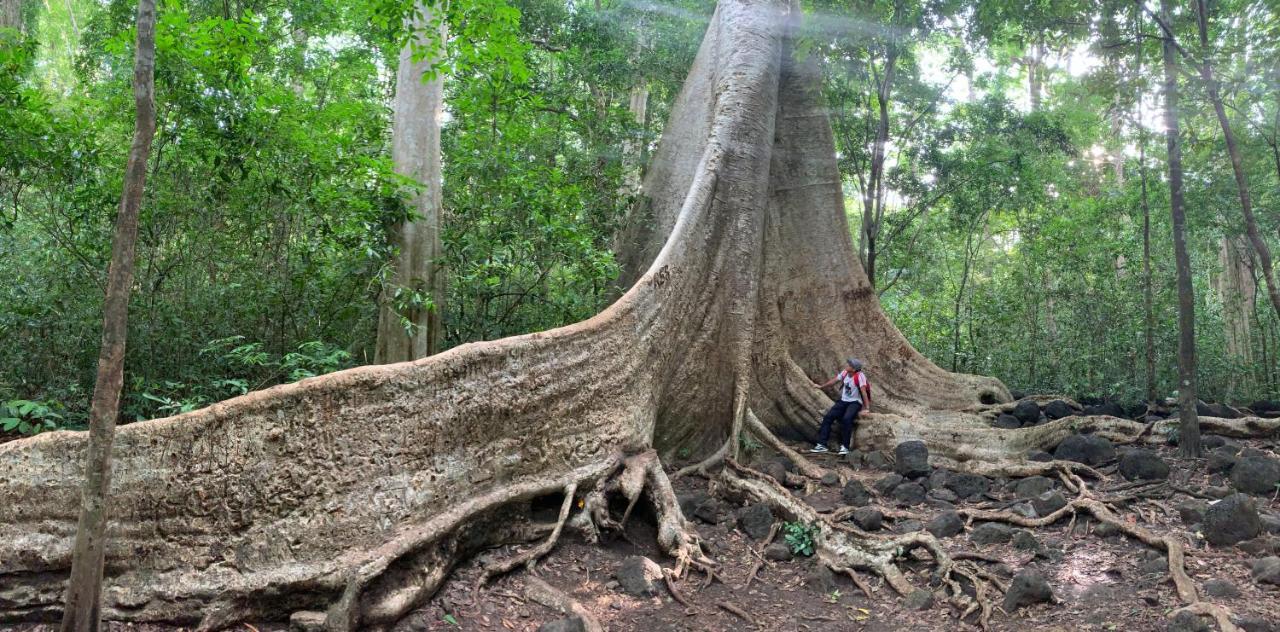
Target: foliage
(30, 418)
(799, 537)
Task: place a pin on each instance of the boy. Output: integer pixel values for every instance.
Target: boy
(855, 396)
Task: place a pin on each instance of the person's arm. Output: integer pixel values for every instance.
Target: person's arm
(866, 394)
(828, 382)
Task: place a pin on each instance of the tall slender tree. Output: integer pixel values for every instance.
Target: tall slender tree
(83, 610)
(409, 316)
(1189, 423)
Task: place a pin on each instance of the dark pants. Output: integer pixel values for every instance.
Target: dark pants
(846, 412)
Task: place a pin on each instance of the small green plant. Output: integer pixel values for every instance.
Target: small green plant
(748, 443)
(799, 537)
(834, 596)
(29, 417)
(1172, 434)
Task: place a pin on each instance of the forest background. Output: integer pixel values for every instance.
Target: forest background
(1003, 163)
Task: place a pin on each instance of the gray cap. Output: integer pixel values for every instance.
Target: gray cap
(855, 363)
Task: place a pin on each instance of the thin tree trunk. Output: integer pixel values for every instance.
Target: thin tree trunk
(1148, 309)
(1189, 427)
(83, 610)
(11, 14)
(873, 197)
(409, 317)
(1237, 161)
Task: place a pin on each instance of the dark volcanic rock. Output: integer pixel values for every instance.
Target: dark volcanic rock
(943, 494)
(1039, 455)
(821, 580)
(991, 533)
(868, 518)
(945, 525)
(1183, 621)
(911, 459)
(876, 460)
(1027, 412)
(1007, 422)
(1256, 475)
(1088, 449)
(968, 485)
(907, 526)
(1218, 587)
(830, 479)
(1209, 442)
(1222, 459)
(1266, 408)
(1048, 502)
(1216, 410)
(1266, 570)
(855, 493)
(908, 494)
(1110, 409)
(1028, 587)
(777, 552)
(1032, 486)
(636, 575)
(1143, 465)
(919, 600)
(886, 484)
(1192, 511)
(573, 624)
(1057, 409)
(1231, 520)
(1023, 539)
(755, 521)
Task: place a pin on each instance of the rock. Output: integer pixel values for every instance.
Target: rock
(1216, 410)
(1218, 491)
(1209, 442)
(1222, 459)
(1192, 511)
(1266, 570)
(1230, 520)
(710, 511)
(1183, 621)
(1266, 408)
(855, 493)
(854, 458)
(943, 494)
(1057, 409)
(937, 479)
(821, 580)
(991, 533)
(755, 521)
(968, 485)
(1249, 452)
(919, 600)
(1143, 465)
(689, 502)
(830, 479)
(637, 574)
(1256, 475)
(868, 518)
(822, 503)
(775, 471)
(1039, 456)
(1110, 409)
(1260, 546)
(911, 459)
(1007, 422)
(908, 494)
(1027, 412)
(307, 621)
(1154, 566)
(1218, 587)
(1023, 539)
(573, 624)
(1088, 449)
(907, 526)
(945, 525)
(1270, 523)
(1032, 486)
(886, 484)
(1028, 587)
(777, 552)
(1024, 509)
(876, 460)
(1106, 530)
(786, 463)
(1048, 502)
(1253, 623)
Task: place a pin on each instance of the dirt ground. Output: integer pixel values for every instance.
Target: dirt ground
(1099, 582)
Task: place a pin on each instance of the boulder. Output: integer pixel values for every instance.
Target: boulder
(637, 574)
(1184, 621)
(1266, 570)
(1256, 475)
(1209, 441)
(1230, 520)
(991, 533)
(755, 521)
(918, 600)
(1025, 540)
(1006, 422)
(868, 518)
(777, 552)
(1256, 623)
(1270, 523)
(1222, 459)
(1260, 546)
(945, 525)
(1221, 588)
(821, 580)
(1110, 409)
(1028, 587)
(1266, 408)
(710, 511)
(1040, 456)
(908, 494)
(937, 479)
(855, 494)
(911, 459)
(907, 526)
(689, 502)
(1032, 486)
(1088, 449)
(1027, 412)
(1192, 511)
(1048, 502)
(854, 458)
(830, 479)
(944, 495)
(1216, 410)
(1106, 530)
(572, 624)
(886, 484)
(1057, 409)
(1024, 509)
(876, 460)
(1143, 465)
(968, 485)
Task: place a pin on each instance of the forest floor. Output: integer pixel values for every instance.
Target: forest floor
(1100, 582)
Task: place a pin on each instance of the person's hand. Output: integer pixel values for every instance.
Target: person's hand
(817, 384)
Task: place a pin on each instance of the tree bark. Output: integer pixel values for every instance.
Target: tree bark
(83, 606)
(410, 308)
(1236, 291)
(11, 14)
(1237, 161)
(1148, 300)
(1189, 427)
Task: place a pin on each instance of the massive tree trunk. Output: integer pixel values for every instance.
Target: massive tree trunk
(1188, 429)
(84, 590)
(409, 311)
(357, 491)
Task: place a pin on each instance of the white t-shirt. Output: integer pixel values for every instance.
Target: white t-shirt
(851, 391)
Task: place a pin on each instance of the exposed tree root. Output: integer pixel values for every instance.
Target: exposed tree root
(549, 596)
(739, 612)
(530, 556)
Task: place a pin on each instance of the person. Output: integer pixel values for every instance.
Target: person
(855, 397)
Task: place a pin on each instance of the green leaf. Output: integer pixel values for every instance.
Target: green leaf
(448, 618)
(9, 423)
